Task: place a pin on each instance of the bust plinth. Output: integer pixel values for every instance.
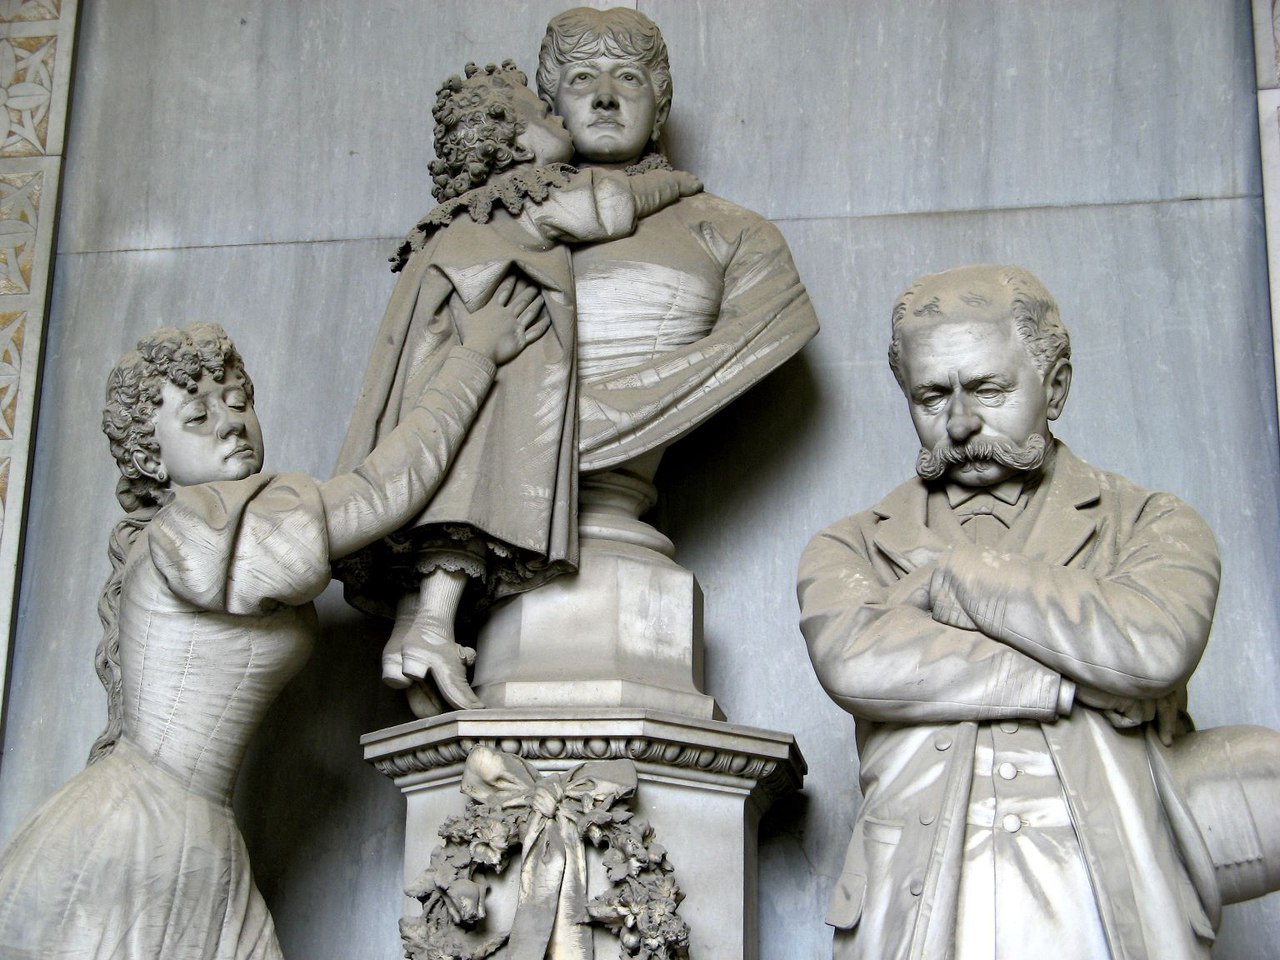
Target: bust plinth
(625, 631)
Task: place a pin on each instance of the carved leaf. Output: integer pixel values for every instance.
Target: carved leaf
(27, 96)
(16, 232)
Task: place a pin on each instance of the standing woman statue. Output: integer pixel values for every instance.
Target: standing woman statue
(207, 614)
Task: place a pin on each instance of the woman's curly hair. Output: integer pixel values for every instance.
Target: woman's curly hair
(476, 128)
(166, 355)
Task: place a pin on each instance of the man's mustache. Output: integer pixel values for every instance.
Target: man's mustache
(1024, 457)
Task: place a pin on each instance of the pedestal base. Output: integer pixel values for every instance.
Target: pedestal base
(624, 631)
(703, 786)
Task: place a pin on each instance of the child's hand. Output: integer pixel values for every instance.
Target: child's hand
(687, 183)
(514, 317)
(656, 189)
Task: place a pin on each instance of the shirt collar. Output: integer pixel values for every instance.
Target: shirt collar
(1008, 491)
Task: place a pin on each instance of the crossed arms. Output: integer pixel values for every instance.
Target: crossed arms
(974, 634)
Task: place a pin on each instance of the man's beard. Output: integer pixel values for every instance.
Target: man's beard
(1021, 458)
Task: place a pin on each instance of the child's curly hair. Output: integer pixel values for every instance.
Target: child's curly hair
(166, 355)
(476, 128)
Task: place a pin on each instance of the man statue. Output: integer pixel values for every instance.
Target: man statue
(1013, 632)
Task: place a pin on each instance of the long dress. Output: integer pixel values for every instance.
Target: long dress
(138, 857)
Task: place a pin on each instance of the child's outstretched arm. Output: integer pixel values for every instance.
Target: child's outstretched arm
(598, 205)
(655, 189)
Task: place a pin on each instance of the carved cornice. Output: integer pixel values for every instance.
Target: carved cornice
(765, 763)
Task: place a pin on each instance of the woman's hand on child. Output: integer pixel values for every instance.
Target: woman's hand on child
(514, 317)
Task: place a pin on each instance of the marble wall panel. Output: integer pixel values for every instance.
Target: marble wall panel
(1266, 19)
(217, 148)
(938, 105)
(242, 121)
(281, 122)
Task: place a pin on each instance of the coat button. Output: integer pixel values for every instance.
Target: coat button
(916, 888)
(1008, 726)
(942, 742)
(1011, 822)
(926, 818)
(1007, 771)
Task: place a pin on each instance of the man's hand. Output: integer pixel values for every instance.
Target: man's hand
(514, 317)
(943, 602)
(917, 589)
(913, 590)
(1121, 712)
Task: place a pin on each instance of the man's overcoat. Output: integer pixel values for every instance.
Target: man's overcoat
(1099, 582)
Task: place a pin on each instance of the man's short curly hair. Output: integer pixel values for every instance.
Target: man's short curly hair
(584, 33)
(476, 128)
(1031, 307)
(167, 355)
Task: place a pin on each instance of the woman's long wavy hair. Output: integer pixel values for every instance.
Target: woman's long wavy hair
(167, 355)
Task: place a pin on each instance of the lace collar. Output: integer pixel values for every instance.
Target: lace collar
(511, 191)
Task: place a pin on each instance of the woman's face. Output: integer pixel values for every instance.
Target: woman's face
(211, 434)
(610, 107)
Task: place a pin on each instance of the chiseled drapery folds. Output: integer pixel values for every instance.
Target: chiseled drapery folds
(551, 916)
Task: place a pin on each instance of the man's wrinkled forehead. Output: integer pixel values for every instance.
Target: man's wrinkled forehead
(966, 341)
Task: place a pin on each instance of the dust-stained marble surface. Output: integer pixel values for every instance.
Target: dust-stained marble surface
(255, 163)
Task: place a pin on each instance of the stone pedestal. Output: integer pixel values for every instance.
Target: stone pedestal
(625, 631)
(606, 664)
(702, 784)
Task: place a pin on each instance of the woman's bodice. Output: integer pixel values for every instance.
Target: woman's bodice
(215, 618)
(197, 683)
(647, 294)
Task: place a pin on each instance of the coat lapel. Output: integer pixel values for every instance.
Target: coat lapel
(902, 536)
(1064, 525)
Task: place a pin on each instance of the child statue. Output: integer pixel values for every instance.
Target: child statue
(503, 520)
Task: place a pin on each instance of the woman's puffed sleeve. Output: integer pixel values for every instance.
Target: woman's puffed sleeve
(245, 546)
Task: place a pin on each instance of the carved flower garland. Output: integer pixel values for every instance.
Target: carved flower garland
(551, 817)
(640, 905)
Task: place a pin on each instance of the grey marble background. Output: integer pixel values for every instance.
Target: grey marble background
(254, 163)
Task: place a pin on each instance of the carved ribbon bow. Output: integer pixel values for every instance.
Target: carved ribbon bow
(551, 916)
